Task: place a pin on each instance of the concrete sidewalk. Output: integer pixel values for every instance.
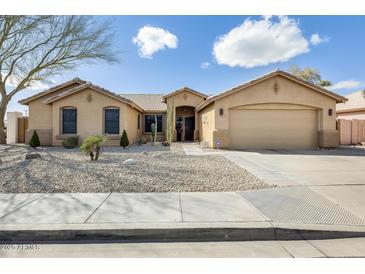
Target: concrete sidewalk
(269, 214)
(91, 208)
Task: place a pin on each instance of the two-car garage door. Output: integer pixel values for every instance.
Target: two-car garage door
(273, 128)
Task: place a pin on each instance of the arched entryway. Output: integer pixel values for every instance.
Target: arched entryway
(185, 123)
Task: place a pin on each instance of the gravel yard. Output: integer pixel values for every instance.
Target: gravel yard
(157, 169)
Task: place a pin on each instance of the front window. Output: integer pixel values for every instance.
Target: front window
(69, 121)
(111, 123)
(149, 120)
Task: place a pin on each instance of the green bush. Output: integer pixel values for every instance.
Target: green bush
(71, 142)
(92, 145)
(34, 141)
(124, 142)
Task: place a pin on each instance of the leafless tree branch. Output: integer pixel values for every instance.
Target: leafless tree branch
(34, 48)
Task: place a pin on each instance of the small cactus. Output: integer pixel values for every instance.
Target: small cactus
(154, 130)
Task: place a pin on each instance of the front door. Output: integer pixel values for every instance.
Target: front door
(189, 128)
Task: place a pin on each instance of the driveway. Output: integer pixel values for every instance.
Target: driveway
(342, 166)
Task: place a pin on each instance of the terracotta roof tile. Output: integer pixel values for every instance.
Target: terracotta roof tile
(149, 102)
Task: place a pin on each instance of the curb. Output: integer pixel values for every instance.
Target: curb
(187, 234)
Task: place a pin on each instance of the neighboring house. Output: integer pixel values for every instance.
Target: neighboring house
(354, 108)
(277, 110)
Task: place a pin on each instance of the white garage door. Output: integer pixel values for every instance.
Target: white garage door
(273, 129)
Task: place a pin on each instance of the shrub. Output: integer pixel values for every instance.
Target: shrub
(124, 142)
(71, 142)
(34, 141)
(91, 145)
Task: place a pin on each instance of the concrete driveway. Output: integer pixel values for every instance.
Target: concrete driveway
(342, 166)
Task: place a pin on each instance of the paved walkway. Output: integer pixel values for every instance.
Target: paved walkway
(249, 161)
(294, 206)
(80, 208)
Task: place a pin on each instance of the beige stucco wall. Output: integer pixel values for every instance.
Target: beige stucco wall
(90, 116)
(289, 92)
(40, 117)
(207, 125)
(185, 98)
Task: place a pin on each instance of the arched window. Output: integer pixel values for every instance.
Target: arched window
(111, 120)
(69, 120)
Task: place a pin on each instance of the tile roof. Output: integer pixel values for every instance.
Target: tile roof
(95, 87)
(288, 75)
(52, 89)
(149, 102)
(356, 100)
(185, 89)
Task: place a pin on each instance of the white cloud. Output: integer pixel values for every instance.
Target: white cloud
(316, 39)
(261, 42)
(42, 85)
(205, 65)
(152, 39)
(13, 81)
(348, 84)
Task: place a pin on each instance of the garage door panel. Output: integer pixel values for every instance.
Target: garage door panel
(273, 129)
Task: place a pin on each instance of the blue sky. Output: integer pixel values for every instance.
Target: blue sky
(243, 49)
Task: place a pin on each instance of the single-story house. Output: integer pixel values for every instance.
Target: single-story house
(354, 108)
(274, 111)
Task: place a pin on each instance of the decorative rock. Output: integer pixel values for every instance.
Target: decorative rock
(30, 156)
(157, 155)
(129, 162)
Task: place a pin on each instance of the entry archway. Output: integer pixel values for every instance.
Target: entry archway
(185, 123)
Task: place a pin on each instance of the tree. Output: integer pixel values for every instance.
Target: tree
(309, 74)
(124, 142)
(34, 48)
(325, 83)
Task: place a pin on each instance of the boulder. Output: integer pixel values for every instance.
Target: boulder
(144, 153)
(157, 155)
(32, 155)
(129, 162)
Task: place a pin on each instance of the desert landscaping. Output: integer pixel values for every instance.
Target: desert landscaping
(144, 168)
